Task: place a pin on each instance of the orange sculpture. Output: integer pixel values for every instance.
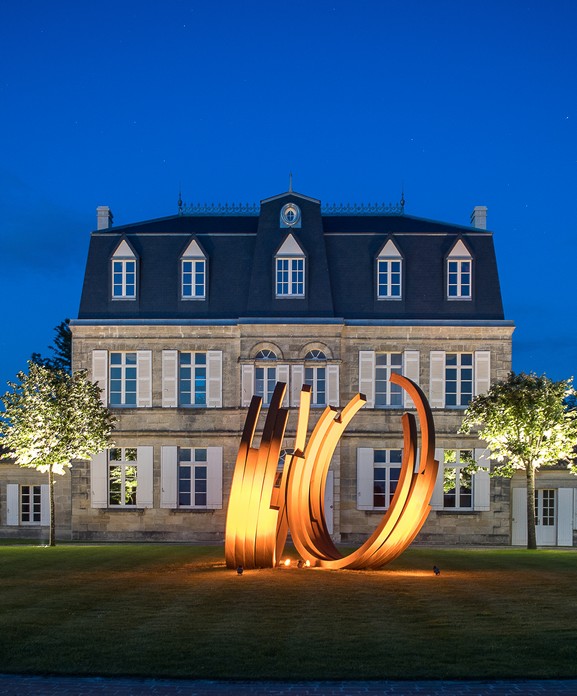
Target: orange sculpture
(265, 503)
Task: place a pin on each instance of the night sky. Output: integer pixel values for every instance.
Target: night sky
(124, 103)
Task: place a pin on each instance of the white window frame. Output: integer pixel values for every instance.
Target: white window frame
(123, 270)
(368, 373)
(293, 283)
(393, 459)
(315, 373)
(460, 368)
(196, 463)
(459, 273)
(100, 470)
(458, 466)
(101, 372)
(385, 391)
(170, 456)
(124, 366)
(480, 483)
(195, 373)
(123, 463)
(193, 288)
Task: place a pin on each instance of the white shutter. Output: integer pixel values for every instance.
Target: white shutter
(438, 493)
(482, 371)
(44, 505)
(410, 370)
(333, 385)
(367, 376)
(565, 517)
(169, 378)
(144, 382)
(482, 481)
(365, 478)
(12, 500)
(297, 381)
(168, 477)
(214, 379)
(247, 384)
(144, 477)
(100, 372)
(437, 380)
(282, 375)
(214, 478)
(519, 517)
(99, 480)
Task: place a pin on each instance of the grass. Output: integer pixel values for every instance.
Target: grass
(176, 611)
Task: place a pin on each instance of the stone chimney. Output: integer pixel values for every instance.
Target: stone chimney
(103, 217)
(479, 217)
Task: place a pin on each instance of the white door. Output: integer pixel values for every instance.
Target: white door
(546, 517)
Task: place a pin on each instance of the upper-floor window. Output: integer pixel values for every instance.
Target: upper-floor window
(193, 272)
(123, 379)
(123, 273)
(389, 272)
(290, 269)
(375, 370)
(192, 374)
(458, 377)
(387, 393)
(265, 376)
(316, 376)
(459, 273)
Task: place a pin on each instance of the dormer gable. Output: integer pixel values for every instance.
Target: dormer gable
(290, 247)
(459, 251)
(124, 251)
(390, 251)
(193, 251)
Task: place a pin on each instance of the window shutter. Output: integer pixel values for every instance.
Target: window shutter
(565, 517)
(144, 375)
(44, 505)
(214, 378)
(282, 375)
(333, 385)
(12, 500)
(482, 481)
(297, 381)
(247, 386)
(144, 477)
(367, 376)
(168, 477)
(214, 478)
(482, 371)
(519, 519)
(437, 381)
(438, 494)
(410, 370)
(99, 480)
(100, 372)
(365, 478)
(169, 378)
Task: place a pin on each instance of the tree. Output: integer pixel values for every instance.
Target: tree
(50, 418)
(526, 424)
(62, 349)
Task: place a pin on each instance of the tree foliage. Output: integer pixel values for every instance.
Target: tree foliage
(50, 418)
(62, 349)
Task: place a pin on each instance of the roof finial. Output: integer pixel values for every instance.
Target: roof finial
(403, 197)
(290, 182)
(179, 199)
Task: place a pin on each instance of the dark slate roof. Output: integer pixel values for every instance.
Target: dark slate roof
(340, 253)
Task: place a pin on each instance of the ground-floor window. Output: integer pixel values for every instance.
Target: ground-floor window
(31, 504)
(386, 476)
(192, 476)
(122, 476)
(459, 467)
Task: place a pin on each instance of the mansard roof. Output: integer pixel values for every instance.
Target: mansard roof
(341, 264)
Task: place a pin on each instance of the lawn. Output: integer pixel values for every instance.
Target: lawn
(176, 611)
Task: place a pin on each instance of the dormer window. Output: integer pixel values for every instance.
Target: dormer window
(389, 272)
(290, 269)
(193, 273)
(459, 273)
(123, 272)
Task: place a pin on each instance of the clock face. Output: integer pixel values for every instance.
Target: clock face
(290, 215)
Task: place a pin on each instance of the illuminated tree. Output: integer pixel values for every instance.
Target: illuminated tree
(526, 424)
(52, 417)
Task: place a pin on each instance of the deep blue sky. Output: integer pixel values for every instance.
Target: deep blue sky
(121, 103)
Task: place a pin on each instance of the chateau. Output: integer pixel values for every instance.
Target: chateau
(182, 319)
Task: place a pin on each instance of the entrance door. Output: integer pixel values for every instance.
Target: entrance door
(546, 517)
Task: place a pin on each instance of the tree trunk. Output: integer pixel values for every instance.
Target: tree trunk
(531, 533)
(52, 536)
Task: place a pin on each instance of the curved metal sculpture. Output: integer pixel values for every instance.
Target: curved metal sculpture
(263, 506)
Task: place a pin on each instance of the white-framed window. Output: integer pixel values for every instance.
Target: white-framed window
(191, 477)
(378, 472)
(316, 376)
(463, 483)
(375, 369)
(545, 507)
(290, 277)
(389, 272)
(459, 273)
(122, 476)
(27, 505)
(192, 379)
(458, 475)
(123, 265)
(125, 377)
(193, 267)
(455, 378)
(265, 375)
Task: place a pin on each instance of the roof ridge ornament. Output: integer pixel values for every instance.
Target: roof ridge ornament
(290, 188)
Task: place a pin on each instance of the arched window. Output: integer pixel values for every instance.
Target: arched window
(316, 376)
(265, 376)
